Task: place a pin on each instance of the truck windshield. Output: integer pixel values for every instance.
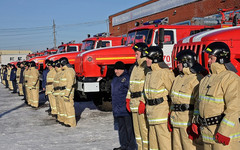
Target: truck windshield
(139, 36)
(87, 45)
(61, 49)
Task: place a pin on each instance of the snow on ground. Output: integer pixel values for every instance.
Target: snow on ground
(24, 128)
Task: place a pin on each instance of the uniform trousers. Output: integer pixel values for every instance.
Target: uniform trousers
(218, 146)
(140, 130)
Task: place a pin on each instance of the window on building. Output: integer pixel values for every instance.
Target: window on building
(11, 58)
(19, 58)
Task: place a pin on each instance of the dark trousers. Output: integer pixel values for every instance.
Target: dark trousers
(14, 83)
(126, 133)
(6, 81)
(24, 92)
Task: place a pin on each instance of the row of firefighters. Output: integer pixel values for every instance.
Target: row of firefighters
(193, 110)
(58, 87)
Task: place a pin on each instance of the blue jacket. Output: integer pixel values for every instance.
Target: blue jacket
(44, 78)
(21, 75)
(5, 74)
(13, 74)
(119, 89)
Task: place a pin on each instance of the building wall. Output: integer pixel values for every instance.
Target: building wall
(4, 59)
(200, 8)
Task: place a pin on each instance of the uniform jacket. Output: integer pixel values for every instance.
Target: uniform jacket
(136, 84)
(21, 78)
(44, 77)
(157, 85)
(56, 81)
(184, 91)
(5, 74)
(119, 89)
(33, 78)
(49, 81)
(8, 74)
(13, 74)
(67, 80)
(219, 93)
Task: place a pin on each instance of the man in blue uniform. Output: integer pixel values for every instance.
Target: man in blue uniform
(13, 78)
(119, 88)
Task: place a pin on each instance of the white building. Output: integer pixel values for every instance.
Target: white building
(7, 56)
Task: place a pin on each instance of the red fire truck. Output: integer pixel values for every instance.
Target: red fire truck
(95, 67)
(200, 41)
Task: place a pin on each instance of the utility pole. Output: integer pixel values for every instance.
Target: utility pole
(54, 35)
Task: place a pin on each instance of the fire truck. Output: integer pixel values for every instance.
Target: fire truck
(40, 59)
(200, 41)
(65, 50)
(95, 67)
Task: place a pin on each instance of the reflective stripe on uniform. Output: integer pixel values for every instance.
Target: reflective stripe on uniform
(145, 142)
(156, 91)
(56, 81)
(196, 112)
(153, 149)
(211, 99)
(35, 101)
(137, 82)
(49, 92)
(227, 122)
(138, 138)
(181, 123)
(71, 116)
(235, 135)
(157, 120)
(63, 79)
(55, 94)
(50, 78)
(68, 89)
(30, 76)
(134, 108)
(208, 138)
(179, 94)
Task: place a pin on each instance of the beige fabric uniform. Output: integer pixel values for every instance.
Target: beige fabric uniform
(27, 88)
(219, 93)
(157, 85)
(49, 90)
(18, 79)
(68, 81)
(184, 91)
(139, 120)
(10, 86)
(59, 101)
(2, 74)
(33, 84)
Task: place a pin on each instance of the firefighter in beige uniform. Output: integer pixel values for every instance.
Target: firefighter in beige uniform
(184, 93)
(59, 102)
(26, 78)
(67, 83)
(49, 87)
(18, 74)
(135, 101)
(219, 98)
(10, 86)
(156, 89)
(33, 84)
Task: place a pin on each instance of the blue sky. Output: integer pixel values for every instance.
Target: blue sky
(27, 24)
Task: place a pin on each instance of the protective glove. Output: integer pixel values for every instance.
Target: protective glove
(170, 127)
(193, 132)
(222, 139)
(128, 105)
(66, 99)
(141, 108)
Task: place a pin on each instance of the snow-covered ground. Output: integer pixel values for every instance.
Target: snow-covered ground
(24, 128)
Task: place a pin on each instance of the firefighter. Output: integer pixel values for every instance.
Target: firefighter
(33, 84)
(184, 94)
(67, 82)
(18, 75)
(135, 101)
(9, 69)
(25, 83)
(59, 102)
(13, 78)
(20, 83)
(5, 76)
(49, 87)
(2, 68)
(157, 86)
(218, 101)
(2, 74)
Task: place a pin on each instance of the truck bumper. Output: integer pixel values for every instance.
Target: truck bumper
(88, 86)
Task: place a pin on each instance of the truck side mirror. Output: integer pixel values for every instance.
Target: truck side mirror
(160, 37)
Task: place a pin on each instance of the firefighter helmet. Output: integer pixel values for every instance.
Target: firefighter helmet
(57, 63)
(141, 47)
(63, 61)
(32, 64)
(154, 53)
(219, 50)
(187, 58)
(18, 64)
(50, 63)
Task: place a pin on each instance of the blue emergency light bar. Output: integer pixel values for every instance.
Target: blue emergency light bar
(157, 21)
